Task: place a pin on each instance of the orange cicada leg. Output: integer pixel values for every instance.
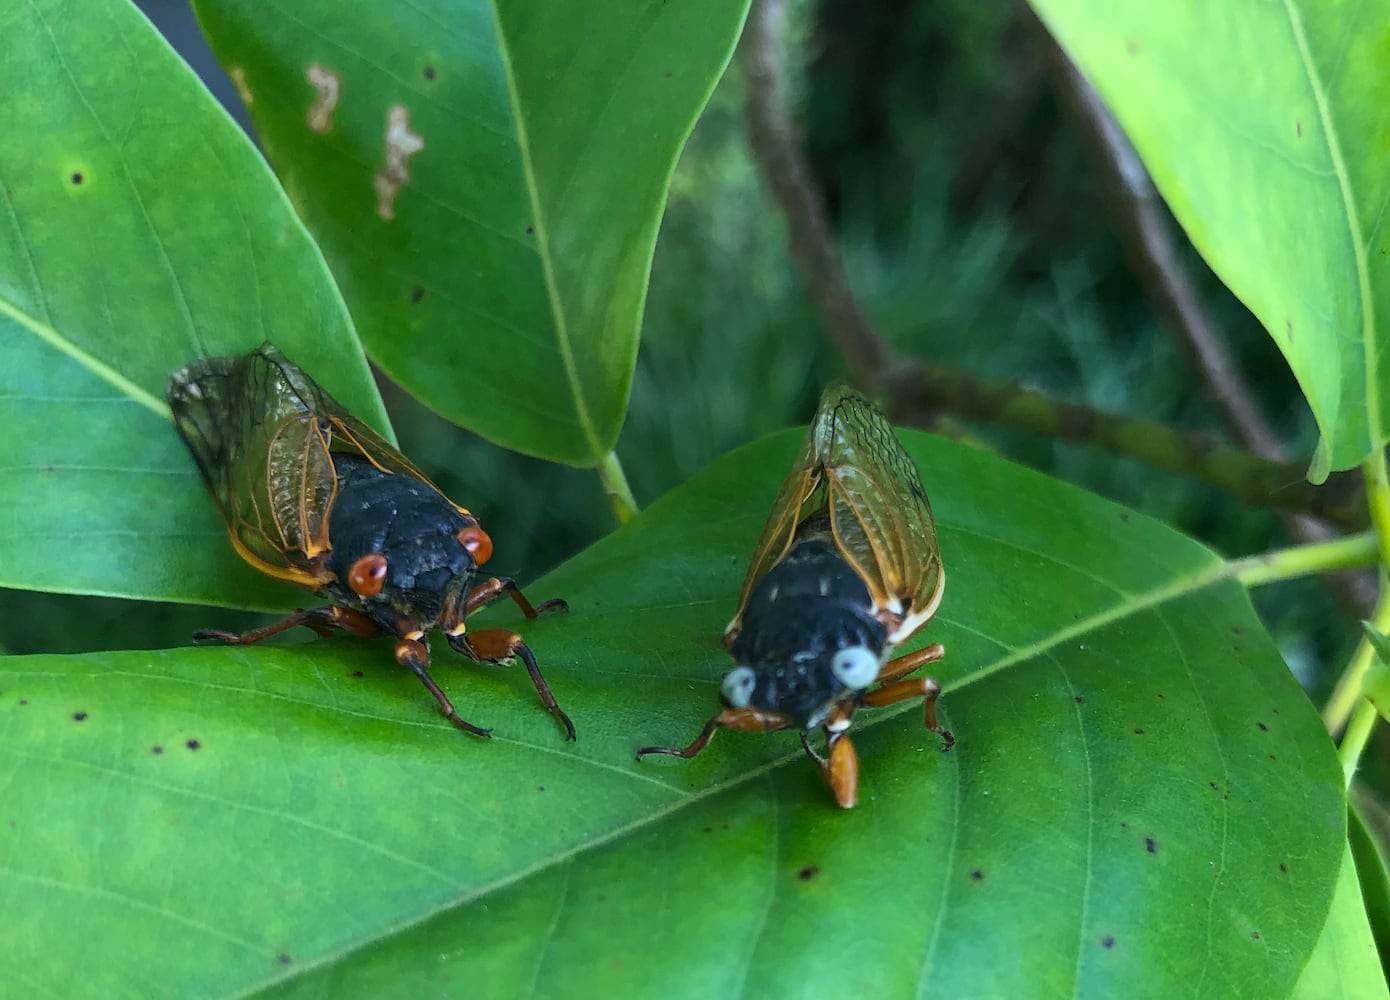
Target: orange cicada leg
(486, 593)
(321, 620)
(415, 656)
(915, 687)
(748, 719)
(499, 645)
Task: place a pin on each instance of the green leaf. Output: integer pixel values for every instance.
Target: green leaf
(1373, 882)
(138, 229)
(1345, 963)
(496, 262)
(1264, 126)
(1141, 801)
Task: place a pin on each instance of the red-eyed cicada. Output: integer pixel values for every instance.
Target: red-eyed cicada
(846, 570)
(313, 496)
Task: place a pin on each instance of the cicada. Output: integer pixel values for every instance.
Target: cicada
(847, 569)
(313, 496)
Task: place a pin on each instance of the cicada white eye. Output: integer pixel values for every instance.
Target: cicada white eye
(738, 687)
(855, 667)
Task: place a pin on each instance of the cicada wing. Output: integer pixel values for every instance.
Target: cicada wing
(778, 530)
(263, 453)
(340, 430)
(880, 515)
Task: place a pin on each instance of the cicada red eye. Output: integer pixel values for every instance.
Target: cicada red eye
(477, 542)
(368, 575)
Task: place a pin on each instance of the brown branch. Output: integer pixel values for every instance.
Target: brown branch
(1255, 481)
(777, 152)
(1148, 233)
(931, 389)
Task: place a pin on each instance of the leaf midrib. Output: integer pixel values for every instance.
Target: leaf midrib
(1358, 242)
(552, 292)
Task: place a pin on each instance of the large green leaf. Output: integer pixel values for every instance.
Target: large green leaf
(1345, 963)
(1264, 126)
(1141, 801)
(501, 275)
(139, 229)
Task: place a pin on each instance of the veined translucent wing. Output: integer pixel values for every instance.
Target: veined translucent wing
(853, 468)
(264, 434)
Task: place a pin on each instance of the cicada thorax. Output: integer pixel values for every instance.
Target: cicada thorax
(408, 540)
(809, 637)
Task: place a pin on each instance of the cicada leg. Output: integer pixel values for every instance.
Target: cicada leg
(415, 655)
(908, 662)
(321, 620)
(840, 765)
(748, 719)
(486, 593)
(499, 645)
(914, 687)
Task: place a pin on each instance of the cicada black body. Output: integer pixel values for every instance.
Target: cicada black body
(313, 496)
(846, 570)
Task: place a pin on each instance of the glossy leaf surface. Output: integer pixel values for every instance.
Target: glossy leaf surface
(1126, 730)
(486, 179)
(139, 229)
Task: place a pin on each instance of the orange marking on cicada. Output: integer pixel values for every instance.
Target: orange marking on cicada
(477, 542)
(368, 575)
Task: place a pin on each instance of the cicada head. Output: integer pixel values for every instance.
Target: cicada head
(809, 638)
(401, 551)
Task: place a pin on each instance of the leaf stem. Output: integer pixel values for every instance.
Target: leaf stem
(620, 498)
(1363, 720)
(1342, 701)
(1351, 552)
(1378, 500)
(1342, 704)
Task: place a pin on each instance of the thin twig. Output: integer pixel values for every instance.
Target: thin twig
(778, 154)
(931, 389)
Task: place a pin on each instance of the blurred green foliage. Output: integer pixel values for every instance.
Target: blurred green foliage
(976, 230)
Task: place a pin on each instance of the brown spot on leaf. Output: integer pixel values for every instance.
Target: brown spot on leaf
(156, 749)
(1262, 727)
(401, 145)
(977, 875)
(193, 745)
(24, 701)
(429, 72)
(320, 116)
(417, 293)
(79, 716)
(77, 177)
(1107, 942)
(540, 788)
(283, 958)
(1079, 700)
(243, 89)
(1150, 845)
(1298, 127)
(357, 673)
(1138, 730)
(1254, 935)
(808, 873)
(1283, 868)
